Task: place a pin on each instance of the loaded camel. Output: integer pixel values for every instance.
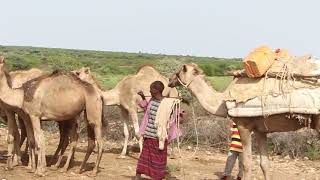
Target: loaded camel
(192, 77)
(124, 95)
(59, 97)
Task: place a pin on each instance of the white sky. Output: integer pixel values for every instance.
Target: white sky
(220, 28)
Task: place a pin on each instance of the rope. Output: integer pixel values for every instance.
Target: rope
(195, 128)
(178, 138)
(283, 80)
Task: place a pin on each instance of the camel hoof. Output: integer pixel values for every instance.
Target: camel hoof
(93, 174)
(8, 168)
(122, 156)
(63, 170)
(53, 168)
(79, 171)
(16, 163)
(31, 170)
(40, 172)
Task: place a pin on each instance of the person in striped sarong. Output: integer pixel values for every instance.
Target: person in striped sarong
(235, 152)
(153, 160)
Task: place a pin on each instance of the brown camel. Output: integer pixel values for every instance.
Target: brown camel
(192, 77)
(125, 96)
(59, 97)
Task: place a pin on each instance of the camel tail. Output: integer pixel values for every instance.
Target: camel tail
(103, 121)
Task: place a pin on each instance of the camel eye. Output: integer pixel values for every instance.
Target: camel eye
(77, 73)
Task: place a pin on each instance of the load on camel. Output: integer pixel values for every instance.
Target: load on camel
(124, 95)
(263, 118)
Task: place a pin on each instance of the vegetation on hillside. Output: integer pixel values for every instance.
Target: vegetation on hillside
(110, 67)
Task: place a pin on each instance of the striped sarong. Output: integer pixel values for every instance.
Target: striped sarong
(153, 161)
(236, 144)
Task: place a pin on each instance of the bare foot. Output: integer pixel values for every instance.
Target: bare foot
(138, 177)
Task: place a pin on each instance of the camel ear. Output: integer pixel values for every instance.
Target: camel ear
(196, 71)
(1, 59)
(184, 68)
(87, 70)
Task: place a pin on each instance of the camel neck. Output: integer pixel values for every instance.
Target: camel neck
(210, 99)
(9, 96)
(111, 97)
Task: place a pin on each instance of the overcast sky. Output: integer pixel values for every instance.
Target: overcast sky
(220, 28)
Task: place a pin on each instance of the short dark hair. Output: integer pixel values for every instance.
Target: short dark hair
(158, 85)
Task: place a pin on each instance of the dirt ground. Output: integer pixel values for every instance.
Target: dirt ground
(205, 164)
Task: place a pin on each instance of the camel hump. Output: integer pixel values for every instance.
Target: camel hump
(146, 67)
(31, 86)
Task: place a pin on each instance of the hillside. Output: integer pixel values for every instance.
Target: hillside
(110, 67)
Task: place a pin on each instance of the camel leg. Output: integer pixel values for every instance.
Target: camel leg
(17, 157)
(30, 145)
(12, 140)
(135, 121)
(91, 146)
(94, 118)
(247, 151)
(74, 138)
(32, 160)
(23, 134)
(316, 123)
(32, 153)
(26, 124)
(40, 144)
(124, 117)
(98, 133)
(62, 142)
(264, 161)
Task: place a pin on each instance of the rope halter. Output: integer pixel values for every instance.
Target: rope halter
(183, 84)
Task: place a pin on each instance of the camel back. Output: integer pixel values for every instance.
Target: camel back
(31, 86)
(21, 76)
(142, 81)
(243, 88)
(247, 97)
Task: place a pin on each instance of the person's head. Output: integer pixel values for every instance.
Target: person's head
(156, 88)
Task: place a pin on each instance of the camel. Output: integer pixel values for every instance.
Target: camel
(124, 95)
(60, 96)
(192, 77)
(18, 78)
(7, 113)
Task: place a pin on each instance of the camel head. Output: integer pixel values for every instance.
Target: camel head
(3, 68)
(185, 75)
(85, 74)
(2, 63)
(4, 73)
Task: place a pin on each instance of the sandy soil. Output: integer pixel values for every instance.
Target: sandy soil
(205, 164)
